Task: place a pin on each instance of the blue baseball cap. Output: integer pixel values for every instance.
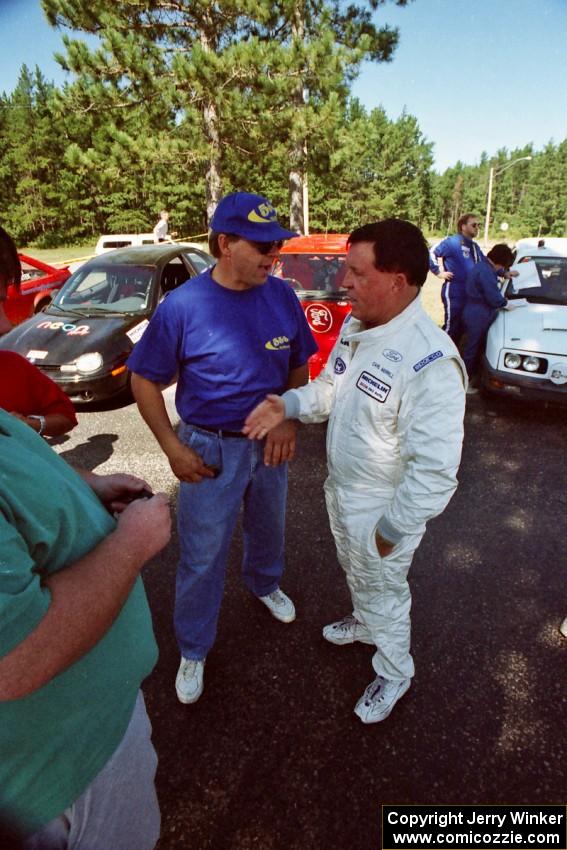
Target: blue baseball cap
(250, 216)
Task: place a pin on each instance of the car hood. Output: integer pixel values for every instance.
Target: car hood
(51, 339)
(536, 327)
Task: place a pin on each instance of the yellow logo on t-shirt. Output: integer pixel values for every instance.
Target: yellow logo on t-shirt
(277, 343)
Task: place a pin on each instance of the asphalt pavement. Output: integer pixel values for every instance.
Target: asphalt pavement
(272, 756)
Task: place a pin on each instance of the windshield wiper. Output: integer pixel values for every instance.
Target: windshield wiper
(66, 310)
(91, 309)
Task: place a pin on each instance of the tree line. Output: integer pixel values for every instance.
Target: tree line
(174, 103)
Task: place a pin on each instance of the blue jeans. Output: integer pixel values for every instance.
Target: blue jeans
(206, 518)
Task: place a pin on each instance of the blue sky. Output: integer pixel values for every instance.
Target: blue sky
(478, 75)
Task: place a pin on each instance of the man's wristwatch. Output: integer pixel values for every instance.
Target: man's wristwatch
(41, 422)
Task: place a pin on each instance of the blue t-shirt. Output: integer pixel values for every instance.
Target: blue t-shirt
(229, 348)
(459, 254)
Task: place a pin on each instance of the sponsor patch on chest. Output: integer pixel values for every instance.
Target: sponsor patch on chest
(373, 386)
(435, 355)
(340, 366)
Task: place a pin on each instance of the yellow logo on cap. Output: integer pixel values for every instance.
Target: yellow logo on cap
(265, 214)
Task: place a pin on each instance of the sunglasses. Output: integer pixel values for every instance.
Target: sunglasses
(266, 247)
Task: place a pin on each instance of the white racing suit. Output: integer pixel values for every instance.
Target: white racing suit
(394, 396)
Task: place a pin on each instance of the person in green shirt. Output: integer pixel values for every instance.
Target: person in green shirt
(76, 641)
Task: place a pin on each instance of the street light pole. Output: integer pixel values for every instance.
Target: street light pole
(493, 173)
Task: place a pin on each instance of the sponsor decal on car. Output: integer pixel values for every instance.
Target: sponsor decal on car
(319, 318)
(373, 386)
(427, 360)
(392, 355)
(135, 333)
(66, 327)
(277, 343)
(36, 355)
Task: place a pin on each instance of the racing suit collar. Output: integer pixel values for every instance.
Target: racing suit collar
(357, 331)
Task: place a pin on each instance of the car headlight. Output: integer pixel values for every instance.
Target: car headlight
(531, 364)
(88, 363)
(512, 361)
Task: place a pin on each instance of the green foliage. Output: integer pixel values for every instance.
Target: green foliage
(171, 104)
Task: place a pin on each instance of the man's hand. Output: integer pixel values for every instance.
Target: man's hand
(384, 546)
(280, 443)
(508, 274)
(187, 465)
(115, 491)
(146, 524)
(445, 275)
(264, 417)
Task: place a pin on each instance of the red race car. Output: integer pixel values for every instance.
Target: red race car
(39, 282)
(315, 267)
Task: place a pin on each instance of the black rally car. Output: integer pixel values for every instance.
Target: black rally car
(83, 339)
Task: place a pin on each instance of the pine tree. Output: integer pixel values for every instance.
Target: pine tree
(240, 72)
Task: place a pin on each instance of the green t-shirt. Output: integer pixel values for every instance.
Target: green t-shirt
(56, 740)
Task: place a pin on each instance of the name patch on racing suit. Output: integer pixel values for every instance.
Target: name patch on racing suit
(426, 360)
(373, 386)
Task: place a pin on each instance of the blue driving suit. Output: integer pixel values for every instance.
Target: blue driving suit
(483, 299)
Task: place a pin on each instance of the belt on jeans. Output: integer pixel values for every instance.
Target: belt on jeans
(220, 432)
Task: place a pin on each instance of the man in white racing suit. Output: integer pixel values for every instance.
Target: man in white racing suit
(393, 391)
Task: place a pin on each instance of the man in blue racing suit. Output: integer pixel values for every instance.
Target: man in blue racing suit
(451, 260)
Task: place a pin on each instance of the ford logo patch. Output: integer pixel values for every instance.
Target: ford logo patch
(392, 355)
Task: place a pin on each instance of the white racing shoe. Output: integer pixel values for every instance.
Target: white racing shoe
(189, 682)
(279, 605)
(347, 630)
(379, 698)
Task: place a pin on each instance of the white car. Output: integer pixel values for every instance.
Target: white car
(111, 241)
(526, 345)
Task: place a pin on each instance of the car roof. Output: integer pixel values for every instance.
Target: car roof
(317, 243)
(543, 246)
(143, 255)
(525, 253)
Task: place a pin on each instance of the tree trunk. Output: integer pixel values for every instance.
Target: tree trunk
(297, 153)
(213, 178)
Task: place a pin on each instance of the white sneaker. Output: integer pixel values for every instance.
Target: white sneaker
(279, 605)
(379, 698)
(347, 630)
(189, 682)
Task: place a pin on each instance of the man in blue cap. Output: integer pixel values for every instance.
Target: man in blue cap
(231, 335)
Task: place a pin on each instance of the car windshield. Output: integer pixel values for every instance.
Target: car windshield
(322, 272)
(100, 289)
(552, 289)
